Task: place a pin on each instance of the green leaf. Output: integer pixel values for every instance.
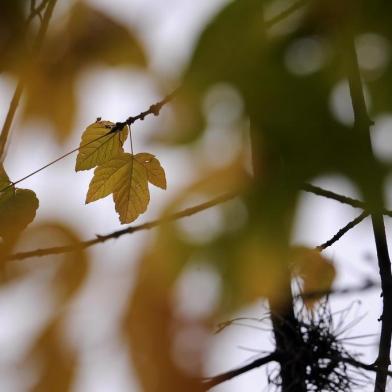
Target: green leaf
(155, 172)
(98, 145)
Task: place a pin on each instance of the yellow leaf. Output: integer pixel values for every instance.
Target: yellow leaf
(316, 271)
(127, 176)
(131, 196)
(155, 172)
(108, 176)
(98, 145)
(17, 212)
(6, 190)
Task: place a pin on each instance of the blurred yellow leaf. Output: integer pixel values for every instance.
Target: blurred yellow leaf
(17, 211)
(98, 145)
(6, 190)
(12, 33)
(58, 362)
(316, 271)
(155, 172)
(85, 38)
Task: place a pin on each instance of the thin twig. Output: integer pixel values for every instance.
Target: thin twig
(361, 365)
(340, 198)
(213, 381)
(55, 161)
(20, 86)
(367, 285)
(155, 108)
(129, 230)
(343, 231)
(332, 195)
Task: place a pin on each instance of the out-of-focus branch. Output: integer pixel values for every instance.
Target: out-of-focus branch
(20, 86)
(129, 230)
(367, 285)
(283, 15)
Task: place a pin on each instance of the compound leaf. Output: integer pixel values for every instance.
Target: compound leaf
(155, 172)
(98, 145)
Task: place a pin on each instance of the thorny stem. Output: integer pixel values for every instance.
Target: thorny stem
(20, 86)
(362, 124)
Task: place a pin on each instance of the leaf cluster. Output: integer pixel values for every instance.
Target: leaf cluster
(124, 175)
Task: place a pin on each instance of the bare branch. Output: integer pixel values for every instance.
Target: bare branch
(343, 231)
(153, 109)
(332, 195)
(375, 199)
(361, 365)
(213, 381)
(129, 230)
(367, 285)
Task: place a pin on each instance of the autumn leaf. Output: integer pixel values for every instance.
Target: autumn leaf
(17, 211)
(127, 176)
(108, 177)
(98, 145)
(6, 190)
(86, 38)
(155, 172)
(317, 272)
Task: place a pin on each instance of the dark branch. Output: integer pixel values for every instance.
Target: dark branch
(129, 230)
(373, 195)
(154, 109)
(343, 231)
(332, 195)
(364, 366)
(213, 381)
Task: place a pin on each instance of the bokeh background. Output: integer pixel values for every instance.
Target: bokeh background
(91, 319)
